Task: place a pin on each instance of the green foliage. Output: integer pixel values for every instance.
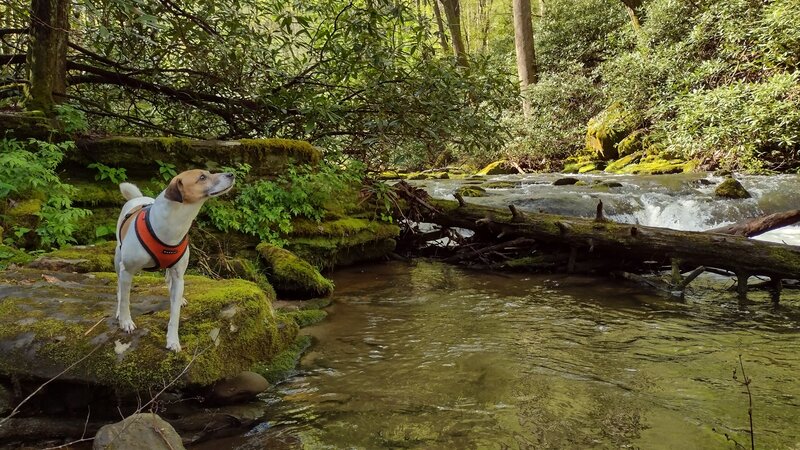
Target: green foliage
(166, 170)
(561, 105)
(266, 208)
(72, 120)
(115, 175)
(28, 170)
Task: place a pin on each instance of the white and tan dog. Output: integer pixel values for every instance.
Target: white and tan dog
(152, 235)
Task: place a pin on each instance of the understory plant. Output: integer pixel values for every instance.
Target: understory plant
(28, 180)
(266, 208)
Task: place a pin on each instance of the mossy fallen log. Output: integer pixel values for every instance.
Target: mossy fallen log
(139, 155)
(619, 243)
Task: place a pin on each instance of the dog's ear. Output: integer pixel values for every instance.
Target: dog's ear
(174, 191)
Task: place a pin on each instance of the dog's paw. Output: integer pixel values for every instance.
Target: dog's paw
(127, 325)
(183, 301)
(174, 345)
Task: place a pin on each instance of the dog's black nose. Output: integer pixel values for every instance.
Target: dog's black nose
(230, 175)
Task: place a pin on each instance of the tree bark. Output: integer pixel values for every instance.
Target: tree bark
(452, 11)
(619, 244)
(760, 225)
(47, 54)
(526, 54)
(440, 25)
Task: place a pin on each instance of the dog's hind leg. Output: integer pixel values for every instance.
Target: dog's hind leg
(175, 283)
(124, 280)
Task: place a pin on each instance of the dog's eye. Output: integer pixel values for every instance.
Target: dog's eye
(202, 177)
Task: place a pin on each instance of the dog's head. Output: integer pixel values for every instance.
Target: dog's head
(198, 185)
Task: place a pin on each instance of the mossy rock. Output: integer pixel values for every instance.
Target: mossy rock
(30, 124)
(471, 191)
(292, 276)
(106, 194)
(606, 184)
(501, 167)
(618, 165)
(731, 188)
(607, 129)
(306, 317)
(284, 364)
(655, 166)
(10, 255)
(268, 157)
(634, 142)
(78, 258)
(590, 167)
(45, 326)
(566, 181)
(343, 241)
(500, 185)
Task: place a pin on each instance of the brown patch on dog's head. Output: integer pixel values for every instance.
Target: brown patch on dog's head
(197, 185)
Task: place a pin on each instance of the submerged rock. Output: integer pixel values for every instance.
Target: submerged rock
(245, 386)
(291, 275)
(471, 191)
(49, 321)
(566, 181)
(731, 188)
(138, 432)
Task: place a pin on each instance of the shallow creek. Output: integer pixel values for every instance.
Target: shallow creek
(425, 355)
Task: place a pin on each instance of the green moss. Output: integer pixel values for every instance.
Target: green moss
(283, 365)
(10, 255)
(499, 185)
(342, 241)
(618, 165)
(85, 258)
(497, 168)
(591, 167)
(607, 129)
(652, 165)
(731, 188)
(471, 191)
(306, 317)
(291, 275)
(634, 142)
(236, 311)
(25, 208)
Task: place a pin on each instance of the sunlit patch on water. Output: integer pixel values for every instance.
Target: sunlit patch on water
(489, 361)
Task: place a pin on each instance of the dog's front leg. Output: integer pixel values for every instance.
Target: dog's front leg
(124, 280)
(175, 284)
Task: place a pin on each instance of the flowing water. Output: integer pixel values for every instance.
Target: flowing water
(429, 356)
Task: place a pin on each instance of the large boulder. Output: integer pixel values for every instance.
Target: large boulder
(500, 167)
(607, 129)
(51, 320)
(138, 432)
(292, 276)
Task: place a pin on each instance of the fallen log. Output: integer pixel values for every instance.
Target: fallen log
(618, 242)
(760, 225)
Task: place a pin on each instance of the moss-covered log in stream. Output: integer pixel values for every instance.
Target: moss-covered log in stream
(619, 243)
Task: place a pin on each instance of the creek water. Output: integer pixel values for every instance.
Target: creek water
(426, 355)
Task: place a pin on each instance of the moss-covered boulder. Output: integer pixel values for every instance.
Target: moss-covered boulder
(49, 323)
(618, 165)
(566, 181)
(284, 364)
(500, 167)
(343, 241)
(471, 191)
(10, 255)
(632, 143)
(292, 276)
(607, 129)
(731, 188)
(78, 258)
(268, 157)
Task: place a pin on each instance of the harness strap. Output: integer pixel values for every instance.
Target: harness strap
(164, 255)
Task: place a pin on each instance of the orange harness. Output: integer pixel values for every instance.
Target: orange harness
(164, 255)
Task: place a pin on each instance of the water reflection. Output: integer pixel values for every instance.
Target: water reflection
(429, 356)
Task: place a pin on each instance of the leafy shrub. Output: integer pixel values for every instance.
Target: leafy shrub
(27, 170)
(266, 208)
(115, 175)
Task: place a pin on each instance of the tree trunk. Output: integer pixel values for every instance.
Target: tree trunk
(526, 55)
(631, 6)
(440, 26)
(47, 54)
(452, 11)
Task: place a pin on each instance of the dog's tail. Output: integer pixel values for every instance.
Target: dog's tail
(130, 191)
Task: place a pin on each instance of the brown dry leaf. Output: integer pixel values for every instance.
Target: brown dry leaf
(50, 278)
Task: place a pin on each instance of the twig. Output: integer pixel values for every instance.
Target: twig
(746, 384)
(95, 325)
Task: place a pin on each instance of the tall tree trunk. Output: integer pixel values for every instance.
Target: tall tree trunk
(452, 10)
(47, 54)
(440, 26)
(526, 55)
(631, 6)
